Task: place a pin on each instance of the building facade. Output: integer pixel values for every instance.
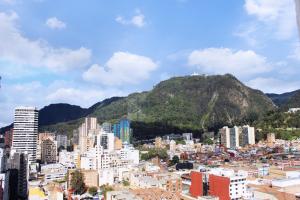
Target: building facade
(25, 132)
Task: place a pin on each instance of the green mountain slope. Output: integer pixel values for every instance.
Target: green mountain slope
(190, 103)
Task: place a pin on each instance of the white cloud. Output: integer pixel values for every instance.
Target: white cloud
(55, 23)
(273, 85)
(84, 96)
(137, 20)
(273, 19)
(37, 94)
(122, 67)
(19, 50)
(223, 60)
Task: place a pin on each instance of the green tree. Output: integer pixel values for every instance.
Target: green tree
(174, 160)
(93, 190)
(77, 182)
(126, 183)
(105, 189)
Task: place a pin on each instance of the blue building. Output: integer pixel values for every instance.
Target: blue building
(123, 131)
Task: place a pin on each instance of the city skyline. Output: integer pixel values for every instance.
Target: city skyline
(59, 57)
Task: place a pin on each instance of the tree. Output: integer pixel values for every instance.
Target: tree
(77, 182)
(125, 183)
(93, 190)
(105, 189)
(174, 160)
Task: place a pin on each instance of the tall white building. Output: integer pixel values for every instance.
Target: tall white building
(87, 132)
(237, 136)
(26, 131)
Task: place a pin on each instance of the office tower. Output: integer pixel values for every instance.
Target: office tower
(187, 136)
(49, 151)
(87, 132)
(41, 138)
(237, 136)
(26, 131)
(11, 185)
(107, 141)
(247, 135)
(75, 138)
(106, 126)
(18, 175)
(116, 130)
(62, 141)
(123, 131)
(225, 136)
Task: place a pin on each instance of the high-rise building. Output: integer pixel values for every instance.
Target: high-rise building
(107, 141)
(116, 130)
(62, 141)
(17, 175)
(49, 151)
(187, 136)
(41, 137)
(87, 132)
(26, 131)
(123, 131)
(106, 126)
(247, 135)
(237, 136)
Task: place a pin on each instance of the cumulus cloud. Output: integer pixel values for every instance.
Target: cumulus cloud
(223, 60)
(272, 19)
(37, 94)
(36, 53)
(122, 67)
(55, 23)
(137, 20)
(273, 85)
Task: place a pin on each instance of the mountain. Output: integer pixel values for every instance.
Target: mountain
(62, 112)
(189, 103)
(286, 100)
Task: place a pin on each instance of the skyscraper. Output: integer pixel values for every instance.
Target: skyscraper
(123, 131)
(87, 133)
(17, 174)
(49, 151)
(106, 126)
(26, 131)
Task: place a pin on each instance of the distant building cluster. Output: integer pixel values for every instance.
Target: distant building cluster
(226, 165)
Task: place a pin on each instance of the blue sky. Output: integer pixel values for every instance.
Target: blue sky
(81, 52)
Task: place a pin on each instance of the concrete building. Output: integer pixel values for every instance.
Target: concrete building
(67, 158)
(158, 142)
(25, 131)
(62, 141)
(91, 178)
(106, 126)
(49, 151)
(41, 137)
(87, 133)
(187, 136)
(118, 144)
(237, 136)
(17, 176)
(106, 140)
(131, 154)
(54, 172)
